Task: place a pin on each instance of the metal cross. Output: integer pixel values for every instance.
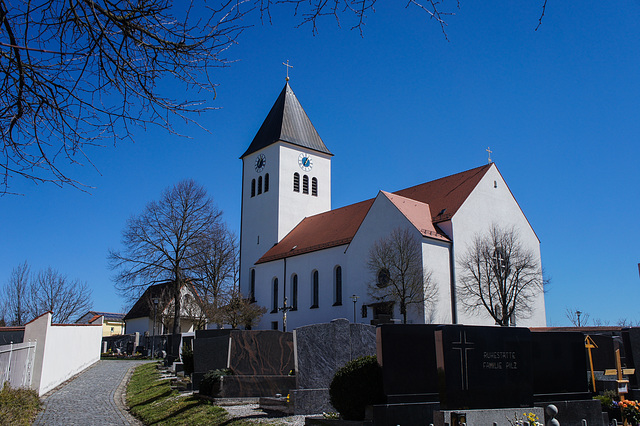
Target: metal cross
(288, 66)
(489, 151)
(284, 309)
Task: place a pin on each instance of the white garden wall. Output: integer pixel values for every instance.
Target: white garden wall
(63, 350)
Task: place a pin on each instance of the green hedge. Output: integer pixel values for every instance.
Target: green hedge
(355, 386)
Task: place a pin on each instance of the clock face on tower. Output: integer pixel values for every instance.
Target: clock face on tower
(305, 162)
(261, 161)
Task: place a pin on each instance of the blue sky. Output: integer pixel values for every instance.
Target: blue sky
(560, 109)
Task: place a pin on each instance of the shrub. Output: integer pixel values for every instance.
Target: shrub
(210, 383)
(18, 406)
(356, 385)
(187, 359)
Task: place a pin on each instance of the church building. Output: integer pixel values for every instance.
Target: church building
(296, 251)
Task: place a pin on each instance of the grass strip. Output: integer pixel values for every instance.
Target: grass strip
(18, 406)
(154, 402)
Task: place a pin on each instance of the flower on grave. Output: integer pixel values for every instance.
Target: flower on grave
(630, 411)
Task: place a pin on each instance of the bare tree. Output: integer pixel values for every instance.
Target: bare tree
(65, 298)
(216, 271)
(239, 310)
(499, 275)
(75, 73)
(165, 242)
(16, 294)
(399, 275)
(577, 317)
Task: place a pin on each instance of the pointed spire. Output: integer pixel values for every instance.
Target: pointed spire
(287, 122)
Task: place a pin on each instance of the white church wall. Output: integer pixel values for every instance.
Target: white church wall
(260, 212)
(381, 220)
(435, 258)
(324, 261)
(492, 202)
(295, 206)
(270, 216)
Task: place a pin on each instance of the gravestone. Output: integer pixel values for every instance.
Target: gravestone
(320, 350)
(260, 361)
(560, 366)
(484, 367)
(407, 354)
(210, 352)
(561, 375)
(261, 352)
(631, 340)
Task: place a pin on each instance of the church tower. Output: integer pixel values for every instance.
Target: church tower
(286, 176)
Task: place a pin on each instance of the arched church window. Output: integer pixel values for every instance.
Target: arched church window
(274, 303)
(252, 287)
(253, 187)
(315, 290)
(305, 184)
(296, 182)
(314, 187)
(294, 292)
(266, 182)
(259, 185)
(337, 297)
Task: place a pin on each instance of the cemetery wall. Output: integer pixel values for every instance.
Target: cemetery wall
(63, 350)
(487, 204)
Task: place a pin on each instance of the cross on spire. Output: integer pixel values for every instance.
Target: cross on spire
(288, 66)
(489, 151)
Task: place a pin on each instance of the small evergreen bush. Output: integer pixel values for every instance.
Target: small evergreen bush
(356, 385)
(210, 383)
(187, 359)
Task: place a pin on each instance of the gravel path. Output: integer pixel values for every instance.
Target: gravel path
(252, 413)
(94, 397)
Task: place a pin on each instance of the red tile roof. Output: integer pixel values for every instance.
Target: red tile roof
(441, 197)
(447, 193)
(324, 230)
(417, 213)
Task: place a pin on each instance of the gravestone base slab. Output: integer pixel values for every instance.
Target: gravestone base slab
(276, 404)
(408, 413)
(311, 401)
(484, 416)
(321, 421)
(573, 412)
(256, 386)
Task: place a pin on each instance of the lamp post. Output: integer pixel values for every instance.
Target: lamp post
(355, 299)
(578, 313)
(153, 337)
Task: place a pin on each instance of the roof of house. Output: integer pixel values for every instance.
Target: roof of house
(287, 122)
(144, 305)
(440, 199)
(91, 316)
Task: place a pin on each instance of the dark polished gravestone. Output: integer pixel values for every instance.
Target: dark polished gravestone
(561, 376)
(210, 352)
(261, 352)
(560, 366)
(260, 361)
(484, 367)
(407, 355)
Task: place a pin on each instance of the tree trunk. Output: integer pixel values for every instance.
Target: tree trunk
(176, 311)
